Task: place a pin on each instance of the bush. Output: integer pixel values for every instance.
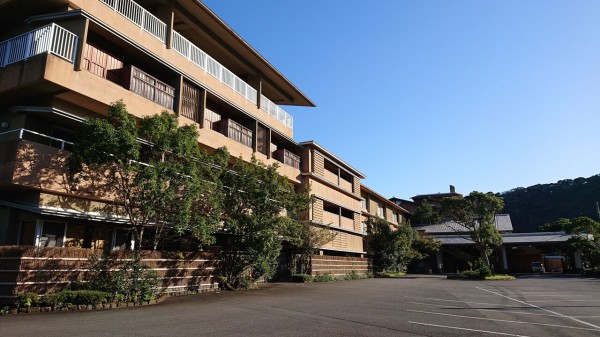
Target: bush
(26, 300)
(78, 297)
(133, 281)
(323, 278)
(482, 269)
(470, 274)
(4, 311)
(302, 278)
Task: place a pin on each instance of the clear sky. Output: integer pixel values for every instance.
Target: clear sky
(417, 95)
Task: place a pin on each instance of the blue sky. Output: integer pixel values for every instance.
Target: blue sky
(417, 95)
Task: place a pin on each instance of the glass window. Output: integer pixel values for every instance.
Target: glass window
(380, 211)
(53, 234)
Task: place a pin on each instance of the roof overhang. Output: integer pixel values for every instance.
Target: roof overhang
(237, 46)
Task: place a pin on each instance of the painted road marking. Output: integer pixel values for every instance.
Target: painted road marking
(466, 329)
(535, 306)
(502, 320)
(442, 300)
(486, 309)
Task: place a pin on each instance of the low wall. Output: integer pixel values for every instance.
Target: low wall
(43, 270)
(339, 265)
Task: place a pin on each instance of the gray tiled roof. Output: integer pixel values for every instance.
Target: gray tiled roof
(503, 224)
(512, 238)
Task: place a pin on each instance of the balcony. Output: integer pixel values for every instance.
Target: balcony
(139, 16)
(288, 158)
(51, 39)
(235, 131)
(32, 159)
(150, 87)
(152, 25)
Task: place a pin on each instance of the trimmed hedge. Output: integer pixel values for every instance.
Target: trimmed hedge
(78, 297)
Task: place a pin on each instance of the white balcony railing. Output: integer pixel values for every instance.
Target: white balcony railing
(140, 16)
(36, 137)
(47, 39)
(210, 65)
(276, 111)
(151, 24)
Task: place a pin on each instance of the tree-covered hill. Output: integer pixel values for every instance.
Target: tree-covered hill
(530, 207)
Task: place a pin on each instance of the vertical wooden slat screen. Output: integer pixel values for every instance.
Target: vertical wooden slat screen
(190, 101)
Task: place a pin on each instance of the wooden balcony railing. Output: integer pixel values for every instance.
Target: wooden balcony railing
(150, 87)
(288, 158)
(235, 131)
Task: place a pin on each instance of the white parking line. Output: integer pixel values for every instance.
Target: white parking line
(466, 329)
(483, 309)
(502, 320)
(535, 306)
(442, 300)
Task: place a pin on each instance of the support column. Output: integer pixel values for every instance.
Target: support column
(578, 261)
(202, 108)
(504, 259)
(438, 259)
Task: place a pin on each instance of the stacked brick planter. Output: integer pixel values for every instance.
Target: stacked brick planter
(339, 265)
(43, 270)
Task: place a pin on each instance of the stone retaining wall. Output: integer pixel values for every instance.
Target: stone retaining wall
(43, 270)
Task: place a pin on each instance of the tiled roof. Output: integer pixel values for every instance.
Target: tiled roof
(512, 238)
(503, 224)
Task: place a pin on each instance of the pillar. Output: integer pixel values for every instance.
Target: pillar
(504, 259)
(438, 259)
(578, 261)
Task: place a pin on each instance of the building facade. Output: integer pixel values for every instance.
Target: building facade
(64, 61)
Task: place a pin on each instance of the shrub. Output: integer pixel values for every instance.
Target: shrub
(26, 300)
(323, 278)
(4, 311)
(482, 269)
(302, 278)
(79, 297)
(470, 274)
(354, 275)
(133, 281)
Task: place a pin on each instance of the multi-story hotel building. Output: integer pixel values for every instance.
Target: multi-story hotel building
(374, 205)
(62, 61)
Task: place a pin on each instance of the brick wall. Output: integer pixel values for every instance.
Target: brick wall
(24, 269)
(339, 265)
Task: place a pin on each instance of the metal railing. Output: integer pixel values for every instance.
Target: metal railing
(36, 137)
(190, 51)
(140, 16)
(51, 38)
(276, 111)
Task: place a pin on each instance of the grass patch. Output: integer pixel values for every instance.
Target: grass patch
(389, 275)
(500, 278)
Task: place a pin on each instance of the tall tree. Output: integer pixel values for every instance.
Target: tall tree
(392, 249)
(426, 214)
(477, 214)
(153, 171)
(256, 207)
(586, 239)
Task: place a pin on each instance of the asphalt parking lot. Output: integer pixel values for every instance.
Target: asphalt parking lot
(537, 306)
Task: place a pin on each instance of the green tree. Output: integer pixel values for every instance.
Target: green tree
(392, 250)
(586, 239)
(426, 214)
(153, 171)
(477, 214)
(257, 203)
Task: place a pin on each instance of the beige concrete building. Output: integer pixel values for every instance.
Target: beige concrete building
(63, 61)
(374, 205)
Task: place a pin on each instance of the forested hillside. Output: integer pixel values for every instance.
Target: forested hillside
(530, 207)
